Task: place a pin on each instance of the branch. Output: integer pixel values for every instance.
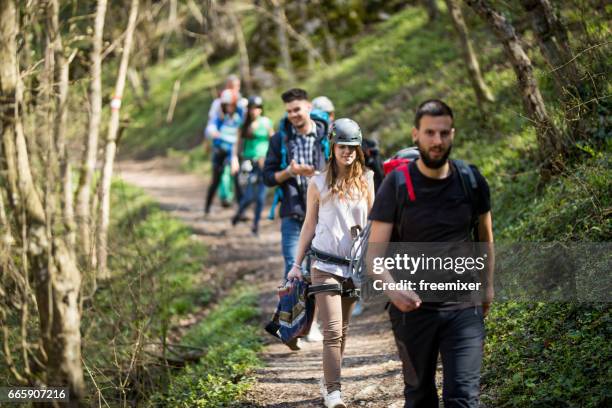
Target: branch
(304, 41)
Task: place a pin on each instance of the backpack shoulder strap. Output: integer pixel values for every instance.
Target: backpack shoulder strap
(282, 130)
(404, 188)
(470, 186)
(407, 181)
(466, 172)
(326, 148)
(468, 179)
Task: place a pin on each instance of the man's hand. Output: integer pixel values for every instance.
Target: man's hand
(301, 169)
(488, 299)
(404, 300)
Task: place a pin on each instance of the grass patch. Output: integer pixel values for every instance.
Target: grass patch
(229, 334)
(156, 279)
(148, 133)
(548, 355)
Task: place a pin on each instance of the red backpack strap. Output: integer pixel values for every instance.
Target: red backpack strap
(404, 169)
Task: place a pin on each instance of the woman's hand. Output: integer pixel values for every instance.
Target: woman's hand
(295, 273)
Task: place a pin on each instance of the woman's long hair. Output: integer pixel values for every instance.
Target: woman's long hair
(353, 185)
(248, 120)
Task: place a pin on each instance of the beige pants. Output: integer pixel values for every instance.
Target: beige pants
(334, 313)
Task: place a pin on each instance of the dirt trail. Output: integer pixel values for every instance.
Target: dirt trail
(371, 369)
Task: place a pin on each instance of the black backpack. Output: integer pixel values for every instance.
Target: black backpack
(373, 160)
(405, 189)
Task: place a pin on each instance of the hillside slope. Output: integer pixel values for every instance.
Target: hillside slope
(392, 68)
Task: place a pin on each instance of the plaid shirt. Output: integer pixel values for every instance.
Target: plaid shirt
(302, 151)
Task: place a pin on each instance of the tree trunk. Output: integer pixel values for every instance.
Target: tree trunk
(482, 91)
(553, 42)
(52, 265)
(111, 147)
(173, 100)
(136, 87)
(245, 67)
(330, 42)
(281, 21)
(549, 138)
(171, 27)
(62, 75)
(432, 9)
(283, 42)
(88, 163)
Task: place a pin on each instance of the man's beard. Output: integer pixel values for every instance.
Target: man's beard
(434, 163)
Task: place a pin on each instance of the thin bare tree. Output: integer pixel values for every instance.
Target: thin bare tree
(550, 138)
(245, 67)
(50, 261)
(554, 43)
(88, 162)
(283, 42)
(171, 27)
(482, 91)
(111, 147)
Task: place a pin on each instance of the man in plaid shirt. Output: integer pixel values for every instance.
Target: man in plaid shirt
(303, 140)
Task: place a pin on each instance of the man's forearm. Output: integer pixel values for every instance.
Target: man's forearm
(282, 176)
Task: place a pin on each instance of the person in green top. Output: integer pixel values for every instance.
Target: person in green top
(253, 139)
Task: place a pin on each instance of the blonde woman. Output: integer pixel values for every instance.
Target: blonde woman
(338, 202)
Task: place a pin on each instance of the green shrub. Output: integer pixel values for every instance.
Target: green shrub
(229, 336)
(548, 355)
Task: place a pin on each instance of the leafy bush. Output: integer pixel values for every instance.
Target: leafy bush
(155, 279)
(229, 336)
(548, 355)
(552, 354)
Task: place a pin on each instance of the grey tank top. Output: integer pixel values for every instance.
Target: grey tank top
(336, 217)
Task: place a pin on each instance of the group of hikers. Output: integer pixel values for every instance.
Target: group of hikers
(330, 184)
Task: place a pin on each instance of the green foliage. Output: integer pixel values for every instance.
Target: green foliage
(548, 355)
(149, 134)
(153, 243)
(543, 355)
(229, 335)
(156, 278)
(331, 26)
(571, 208)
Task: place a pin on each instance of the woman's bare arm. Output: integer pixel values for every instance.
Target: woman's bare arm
(310, 222)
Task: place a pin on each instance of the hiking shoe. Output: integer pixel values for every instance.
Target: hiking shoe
(334, 400)
(315, 333)
(323, 387)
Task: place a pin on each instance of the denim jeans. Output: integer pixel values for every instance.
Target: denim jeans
(290, 235)
(458, 336)
(255, 191)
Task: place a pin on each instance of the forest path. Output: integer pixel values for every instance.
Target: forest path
(371, 373)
